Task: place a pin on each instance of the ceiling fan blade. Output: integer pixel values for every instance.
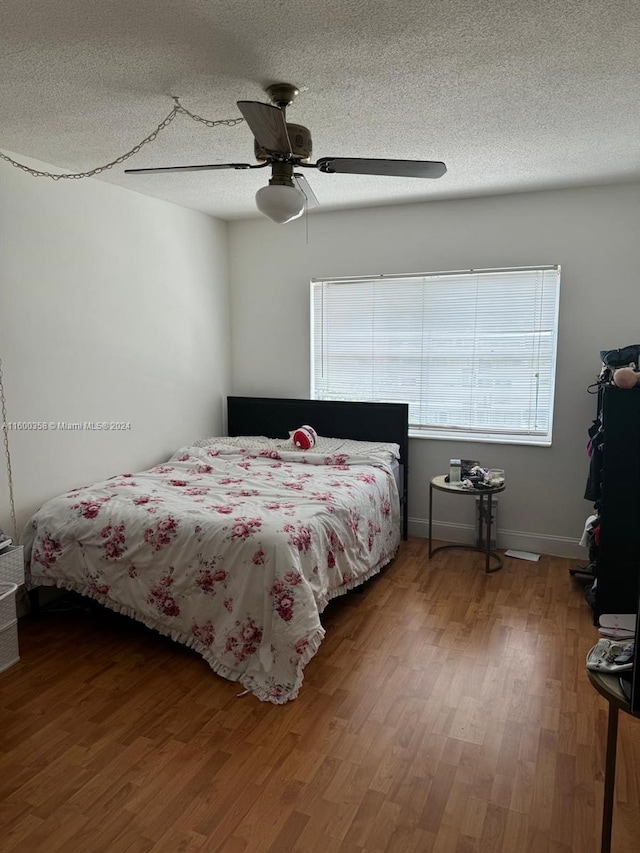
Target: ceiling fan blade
(370, 166)
(203, 168)
(303, 186)
(268, 125)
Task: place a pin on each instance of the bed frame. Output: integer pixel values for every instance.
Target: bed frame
(276, 418)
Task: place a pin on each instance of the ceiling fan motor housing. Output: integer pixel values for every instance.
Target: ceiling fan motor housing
(301, 145)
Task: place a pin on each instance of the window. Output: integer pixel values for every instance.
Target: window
(473, 353)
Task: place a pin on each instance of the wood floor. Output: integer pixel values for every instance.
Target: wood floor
(446, 711)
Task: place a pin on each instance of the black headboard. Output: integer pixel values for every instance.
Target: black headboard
(276, 418)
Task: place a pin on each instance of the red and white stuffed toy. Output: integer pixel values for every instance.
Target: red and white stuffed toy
(305, 437)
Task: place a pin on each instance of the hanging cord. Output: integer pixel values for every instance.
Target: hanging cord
(5, 432)
(177, 108)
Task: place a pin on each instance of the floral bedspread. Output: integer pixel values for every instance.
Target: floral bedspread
(233, 550)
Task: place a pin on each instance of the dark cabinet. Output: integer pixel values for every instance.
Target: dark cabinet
(618, 567)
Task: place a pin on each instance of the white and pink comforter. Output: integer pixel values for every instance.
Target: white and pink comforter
(233, 548)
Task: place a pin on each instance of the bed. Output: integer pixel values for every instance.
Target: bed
(236, 544)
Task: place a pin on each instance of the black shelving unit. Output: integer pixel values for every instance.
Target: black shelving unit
(618, 567)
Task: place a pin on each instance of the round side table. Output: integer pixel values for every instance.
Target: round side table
(608, 685)
(439, 484)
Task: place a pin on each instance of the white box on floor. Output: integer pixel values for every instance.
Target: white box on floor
(7, 603)
(9, 651)
(12, 564)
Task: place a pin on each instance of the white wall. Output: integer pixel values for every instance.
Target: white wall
(592, 232)
(113, 307)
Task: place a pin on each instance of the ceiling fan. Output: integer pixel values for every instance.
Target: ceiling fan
(286, 147)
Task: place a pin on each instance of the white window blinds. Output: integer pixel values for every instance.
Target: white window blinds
(473, 353)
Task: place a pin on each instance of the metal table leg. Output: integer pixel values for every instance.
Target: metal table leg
(486, 517)
(609, 778)
(487, 534)
(430, 517)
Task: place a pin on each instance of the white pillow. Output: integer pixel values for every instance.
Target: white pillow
(384, 451)
(249, 442)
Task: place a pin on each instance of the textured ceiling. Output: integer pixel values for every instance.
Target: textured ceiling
(514, 95)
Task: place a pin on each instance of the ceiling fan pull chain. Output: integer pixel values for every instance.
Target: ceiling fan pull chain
(177, 108)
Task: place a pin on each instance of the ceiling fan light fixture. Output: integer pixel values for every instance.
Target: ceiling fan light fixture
(280, 202)
(282, 146)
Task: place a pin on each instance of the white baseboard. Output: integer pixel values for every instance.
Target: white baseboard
(538, 543)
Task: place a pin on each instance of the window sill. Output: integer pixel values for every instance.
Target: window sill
(526, 441)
